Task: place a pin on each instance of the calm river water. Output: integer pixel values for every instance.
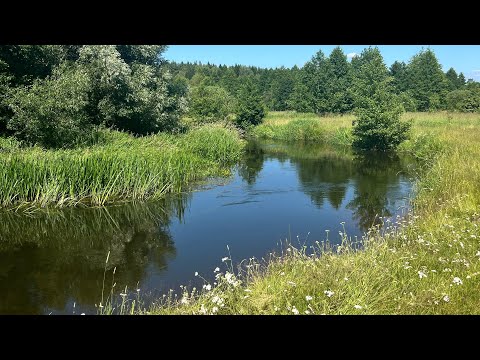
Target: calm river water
(54, 260)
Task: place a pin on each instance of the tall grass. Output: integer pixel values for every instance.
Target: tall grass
(120, 167)
(293, 127)
(426, 263)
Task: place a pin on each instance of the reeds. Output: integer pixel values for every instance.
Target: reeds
(119, 167)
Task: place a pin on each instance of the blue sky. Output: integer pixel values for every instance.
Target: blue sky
(463, 58)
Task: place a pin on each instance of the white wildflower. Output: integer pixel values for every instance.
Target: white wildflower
(421, 274)
(308, 297)
(275, 308)
(282, 273)
(248, 290)
(291, 283)
(207, 287)
(307, 312)
(457, 281)
(225, 259)
(184, 300)
(246, 296)
(203, 310)
(217, 269)
(214, 309)
(346, 279)
(478, 253)
(295, 311)
(446, 298)
(329, 293)
(358, 307)
(82, 314)
(196, 273)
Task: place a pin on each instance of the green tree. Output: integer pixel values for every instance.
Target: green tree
(51, 111)
(452, 79)
(461, 81)
(378, 109)
(133, 94)
(317, 73)
(339, 95)
(463, 100)
(250, 108)
(301, 98)
(211, 103)
(399, 71)
(426, 81)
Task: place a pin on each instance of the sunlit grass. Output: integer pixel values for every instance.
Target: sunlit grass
(119, 167)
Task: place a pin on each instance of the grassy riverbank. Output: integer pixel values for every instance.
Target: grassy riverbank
(426, 264)
(119, 166)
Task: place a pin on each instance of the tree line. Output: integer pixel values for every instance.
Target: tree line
(326, 84)
(60, 95)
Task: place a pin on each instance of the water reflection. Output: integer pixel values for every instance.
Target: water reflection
(326, 173)
(51, 257)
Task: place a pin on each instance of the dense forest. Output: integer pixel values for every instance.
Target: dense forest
(60, 95)
(325, 84)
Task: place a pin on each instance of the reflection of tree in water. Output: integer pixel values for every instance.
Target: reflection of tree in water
(48, 258)
(327, 173)
(252, 162)
(374, 176)
(324, 178)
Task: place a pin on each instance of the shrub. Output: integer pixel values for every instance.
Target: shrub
(51, 111)
(210, 104)
(463, 100)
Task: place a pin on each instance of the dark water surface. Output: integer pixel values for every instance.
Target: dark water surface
(52, 260)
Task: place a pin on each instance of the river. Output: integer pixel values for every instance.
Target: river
(53, 261)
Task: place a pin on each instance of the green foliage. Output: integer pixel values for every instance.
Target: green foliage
(339, 94)
(301, 99)
(250, 109)
(407, 101)
(210, 104)
(463, 100)
(55, 95)
(51, 111)
(133, 96)
(426, 81)
(378, 109)
(399, 72)
(424, 146)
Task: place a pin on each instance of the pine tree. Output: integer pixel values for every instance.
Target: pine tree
(452, 79)
(338, 90)
(250, 108)
(378, 109)
(426, 81)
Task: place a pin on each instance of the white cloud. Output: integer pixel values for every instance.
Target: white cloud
(351, 55)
